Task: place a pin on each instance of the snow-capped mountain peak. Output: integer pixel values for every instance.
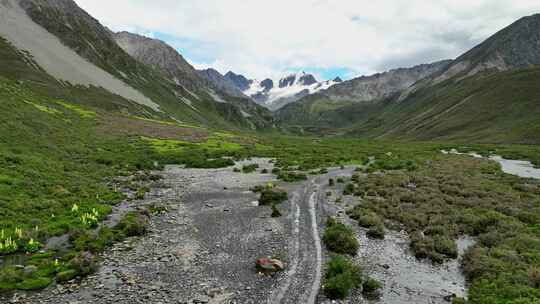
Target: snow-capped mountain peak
(288, 89)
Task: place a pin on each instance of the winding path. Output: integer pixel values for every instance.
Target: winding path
(304, 275)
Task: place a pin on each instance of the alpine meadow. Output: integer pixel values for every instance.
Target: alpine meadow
(132, 172)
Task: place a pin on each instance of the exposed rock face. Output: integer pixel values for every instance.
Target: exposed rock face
(31, 26)
(158, 54)
(240, 81)
(516, 46)
(276, 94)
(378, 86)
(307, 80)
(217, 81)
(287, 81)
(267, 84)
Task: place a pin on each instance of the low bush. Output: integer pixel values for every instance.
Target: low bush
(275, 211)
(458, 300)
(340, 239)
(376, 232)
(341, 277)
(250, 168)
(435, 248)
(349, 189)
(272, 197)
(34, 283)
(366, 219)
(83, 263)
(291, 177)
(371, 288)
(133, 224)
(67, 275)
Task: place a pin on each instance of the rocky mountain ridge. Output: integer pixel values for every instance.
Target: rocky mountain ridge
(274, 94)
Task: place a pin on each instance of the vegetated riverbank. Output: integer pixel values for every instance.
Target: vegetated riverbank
(451, 196)
(54, 155)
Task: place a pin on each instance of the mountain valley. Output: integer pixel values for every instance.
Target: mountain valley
(128, 174)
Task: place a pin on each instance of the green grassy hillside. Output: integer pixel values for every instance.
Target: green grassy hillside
(490, 107)
(85, 35)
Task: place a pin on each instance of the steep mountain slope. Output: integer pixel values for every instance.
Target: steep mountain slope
(276, 94)
(365, 93)
(489, 94)
(218, 82)
(158, 54)
(57, 59)
(75, 48)
(241, 82)
(379, 86)
(499, 107)
(516, 46)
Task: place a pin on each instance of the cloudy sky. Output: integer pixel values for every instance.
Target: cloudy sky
(330, 38)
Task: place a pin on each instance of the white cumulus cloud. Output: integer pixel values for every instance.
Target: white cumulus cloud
(267, 38)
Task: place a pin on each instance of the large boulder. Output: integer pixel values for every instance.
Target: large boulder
(269, 265)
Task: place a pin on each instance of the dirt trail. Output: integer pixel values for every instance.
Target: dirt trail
(204, 248)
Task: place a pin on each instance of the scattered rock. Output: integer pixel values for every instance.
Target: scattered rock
(269, 265)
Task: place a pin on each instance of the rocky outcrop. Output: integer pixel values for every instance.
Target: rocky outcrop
(215, 80)
(516, 46)
(239, 81)
(159, 55)
(382, 85)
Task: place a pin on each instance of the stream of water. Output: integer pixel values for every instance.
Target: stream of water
(521, 168)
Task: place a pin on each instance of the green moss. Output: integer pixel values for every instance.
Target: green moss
(84, 113)
(34, 284)
(65, 276)
(43, 108)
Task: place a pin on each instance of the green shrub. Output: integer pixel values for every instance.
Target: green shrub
(141, 192)
(458, 300)
(32, 246)
(250, 168)
(446, 247)
(339, 238)
(65, 276)
(341, 277)
(435, 248)
(371, 287)
(275, 211)
(349, 189)
(83, 263)
(272, 197)
(366, 219)
(291, 177)
(331, 182)
(10, 275)
(34, 283)
(376, 232)
(133, 224)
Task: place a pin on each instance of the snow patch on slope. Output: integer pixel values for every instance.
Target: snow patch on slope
(293, 91)
(57, 59)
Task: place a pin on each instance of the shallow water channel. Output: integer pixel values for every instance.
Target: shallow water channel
(407, 279)
(521, 168)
